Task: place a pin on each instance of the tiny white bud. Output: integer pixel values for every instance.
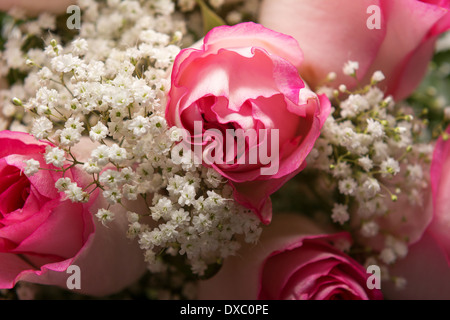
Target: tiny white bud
(350, 68)
(331, 76)
(377, 76)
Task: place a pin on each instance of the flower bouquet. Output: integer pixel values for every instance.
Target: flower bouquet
(225, 149)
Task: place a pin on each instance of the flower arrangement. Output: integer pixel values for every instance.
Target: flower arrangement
(273, 149)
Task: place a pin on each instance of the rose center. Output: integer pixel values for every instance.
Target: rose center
(14, 189)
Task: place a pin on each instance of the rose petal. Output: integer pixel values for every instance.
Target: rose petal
(322, 27)
(440, 185)
(250, 34)
(426, 270)
(407, 64)
(285, 237)
(60, 235)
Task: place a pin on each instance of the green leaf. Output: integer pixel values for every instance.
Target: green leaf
(210, 18)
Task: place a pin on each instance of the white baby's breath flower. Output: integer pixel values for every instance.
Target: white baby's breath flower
(100, 155)
(340, 213)
(132, 217)
(98, 132)
(91, 167)
(139, 126)
(162, 209)
(80, 46)
(133, 230)
(157, 124)
(74, 123)
(41, 127)
(105, 215)
(388, 256)
(342, 170)
(63, 184)
(111, 178)
(175, 134)
(370, 188)
(347, 186)
(369, 229)
(75, 193)
(366, 163)
(350, 68)
(112, 195)
(32, 167)
(69, 137)
(65, 63)
(130, 191)
(187, 195)
(390, 167)
(55, 156)
(375, 128)
(117, 154)
(377, 77)
(354, 105)
(399, 247)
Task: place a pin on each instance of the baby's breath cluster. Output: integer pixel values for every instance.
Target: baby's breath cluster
(106, 89)
(370, 153)
(196, 217)
(106, 29)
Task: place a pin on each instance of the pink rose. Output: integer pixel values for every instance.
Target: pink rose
(42, 233)
(245, 78)
(331, 33)
(293, 260)
(36, 7)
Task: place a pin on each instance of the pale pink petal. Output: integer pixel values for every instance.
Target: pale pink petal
(20, 143)
(250, 34)
(109, 261)
(330, 33)
(303, 283)
(20, 224)
(403, 49)
(60, 234)
(286, 272)
(12, 265)
(43, 180)
(444, 23)
(440, 184)
(426, 270)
